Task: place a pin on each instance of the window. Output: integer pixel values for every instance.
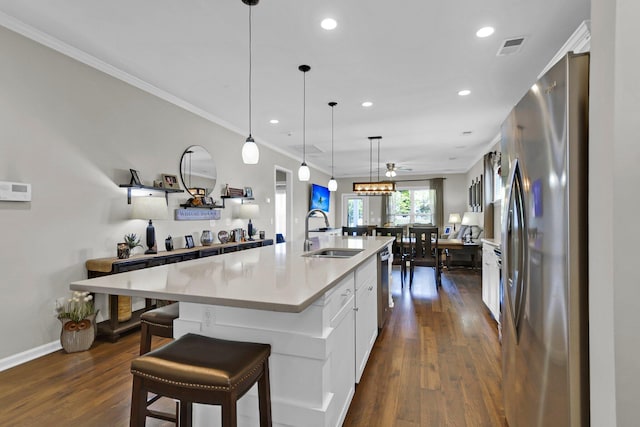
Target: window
(412, 206)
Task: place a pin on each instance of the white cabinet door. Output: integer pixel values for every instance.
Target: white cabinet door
(341, 361)
(366, 307)
(491, 281)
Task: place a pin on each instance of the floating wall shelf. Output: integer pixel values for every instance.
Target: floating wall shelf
(166, 191)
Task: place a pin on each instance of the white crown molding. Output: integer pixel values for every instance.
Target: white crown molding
(579, 41)
(28, 355)
(47, 40)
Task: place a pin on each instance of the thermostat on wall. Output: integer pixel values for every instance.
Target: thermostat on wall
(15, 191)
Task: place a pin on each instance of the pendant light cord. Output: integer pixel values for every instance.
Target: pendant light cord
(250, 64)
(370, 158)
(332, 141)
(378, 168)
(304, 116)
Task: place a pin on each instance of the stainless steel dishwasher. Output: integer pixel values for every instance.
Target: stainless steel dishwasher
(383, 286)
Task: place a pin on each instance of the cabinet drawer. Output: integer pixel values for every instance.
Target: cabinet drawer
(129, 266)
(367, 273)
(340, 295)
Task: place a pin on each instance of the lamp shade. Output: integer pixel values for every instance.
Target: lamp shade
(248, 211)
(454, 218)
(471, 218)
(148, 207)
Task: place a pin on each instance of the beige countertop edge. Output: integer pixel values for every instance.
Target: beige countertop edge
(491, 242)
(101, 285)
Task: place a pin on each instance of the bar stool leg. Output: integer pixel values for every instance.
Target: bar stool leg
(229, 414)
(264, 397)
(145, 339)
(186, 414)
(138, 404)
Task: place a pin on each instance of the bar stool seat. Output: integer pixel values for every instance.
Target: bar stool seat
(158, 322)
(199, 369)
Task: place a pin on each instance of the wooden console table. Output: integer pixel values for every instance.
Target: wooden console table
(112, 328)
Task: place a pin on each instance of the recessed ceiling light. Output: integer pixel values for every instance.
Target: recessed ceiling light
(464, 92)
(329, 24)
(367, 104)
(485, 32)
(274, 121)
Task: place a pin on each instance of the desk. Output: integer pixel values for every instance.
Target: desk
(458, 245)
(448, 245)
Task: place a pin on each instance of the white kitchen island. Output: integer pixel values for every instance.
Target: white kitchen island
(317, 314)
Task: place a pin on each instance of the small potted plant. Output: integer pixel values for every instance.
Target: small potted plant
(78, 317)
(132, 241)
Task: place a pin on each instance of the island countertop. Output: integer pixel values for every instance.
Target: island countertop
(275, 278)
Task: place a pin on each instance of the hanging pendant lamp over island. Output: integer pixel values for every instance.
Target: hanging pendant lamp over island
(250, 152)
(333, 184)
(304, 173)
(374, 188)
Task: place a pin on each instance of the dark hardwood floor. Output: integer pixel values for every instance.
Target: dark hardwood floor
(437, 363)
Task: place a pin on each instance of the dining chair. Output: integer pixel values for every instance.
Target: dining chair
(398, 248)
(423, 251)
(360, 230)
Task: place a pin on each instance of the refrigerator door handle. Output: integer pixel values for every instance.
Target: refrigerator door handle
(515, 252)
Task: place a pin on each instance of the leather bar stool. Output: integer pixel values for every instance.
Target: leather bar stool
(158, 322)
(199, 369)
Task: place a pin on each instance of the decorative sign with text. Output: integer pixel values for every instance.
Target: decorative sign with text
(196, 214)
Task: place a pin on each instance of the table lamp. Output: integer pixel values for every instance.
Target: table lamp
(454, 219)
(470, 219)
(248, 211)
(150, 208)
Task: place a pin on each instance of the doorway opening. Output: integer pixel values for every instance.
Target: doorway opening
(283, 202)
(354, 210)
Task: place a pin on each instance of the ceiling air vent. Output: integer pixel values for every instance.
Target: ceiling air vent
(511, 46)
(310, 149)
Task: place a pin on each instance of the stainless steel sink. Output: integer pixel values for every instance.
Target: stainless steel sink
(333, 253)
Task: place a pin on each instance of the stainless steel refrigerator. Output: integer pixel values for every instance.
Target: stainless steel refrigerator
(544, 237)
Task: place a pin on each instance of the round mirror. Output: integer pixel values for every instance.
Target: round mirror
(198, 171)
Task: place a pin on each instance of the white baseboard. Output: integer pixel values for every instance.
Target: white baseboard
(26, 356)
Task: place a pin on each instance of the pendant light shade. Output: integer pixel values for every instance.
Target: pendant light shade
(333, 184)
(250, 151)
(304, 173)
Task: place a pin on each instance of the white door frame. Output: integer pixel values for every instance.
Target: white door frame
(365, 207)
(289, 193)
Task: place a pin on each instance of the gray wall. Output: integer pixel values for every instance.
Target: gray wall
(73, 132)
(614, 155)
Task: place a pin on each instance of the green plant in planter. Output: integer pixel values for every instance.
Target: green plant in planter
(132, 240)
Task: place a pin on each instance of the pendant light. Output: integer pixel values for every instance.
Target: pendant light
(250, 152)
(374, 188)
(333, 184)
(303, 173)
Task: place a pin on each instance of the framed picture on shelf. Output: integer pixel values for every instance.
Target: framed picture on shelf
(189, 241)
(135, 179)
(248, 192)
(170, 181)
(207, 201)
